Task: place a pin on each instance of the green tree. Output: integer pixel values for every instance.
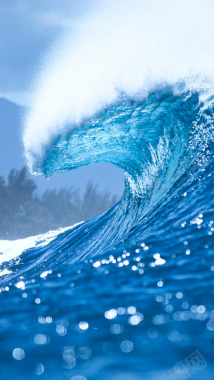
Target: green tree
(24, 213)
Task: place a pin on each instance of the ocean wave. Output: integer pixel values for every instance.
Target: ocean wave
(162, 143)
(120, 47)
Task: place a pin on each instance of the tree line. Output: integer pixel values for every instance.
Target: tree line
(23, 212)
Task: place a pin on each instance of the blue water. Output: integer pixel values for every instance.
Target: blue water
(128, 294)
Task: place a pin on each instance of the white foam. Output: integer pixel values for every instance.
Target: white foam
(121, 45)
(11, 249)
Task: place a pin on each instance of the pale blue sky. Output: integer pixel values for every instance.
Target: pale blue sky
(27, 30)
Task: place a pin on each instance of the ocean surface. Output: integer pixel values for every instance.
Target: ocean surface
(129, 294)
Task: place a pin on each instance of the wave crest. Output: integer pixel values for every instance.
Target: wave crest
(120, 47)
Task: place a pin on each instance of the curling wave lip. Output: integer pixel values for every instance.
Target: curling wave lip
(133, 48)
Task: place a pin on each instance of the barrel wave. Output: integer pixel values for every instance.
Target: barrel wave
(129, 293)
(155, 141)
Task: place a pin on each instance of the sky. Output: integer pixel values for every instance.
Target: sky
(28, 29)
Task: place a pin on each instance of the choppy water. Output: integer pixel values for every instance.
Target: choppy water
(128, 294)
